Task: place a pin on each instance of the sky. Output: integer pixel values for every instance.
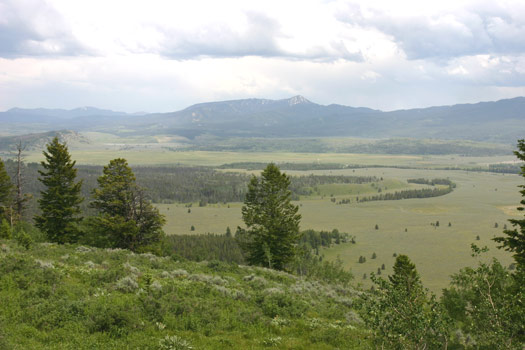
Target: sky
(165, 55)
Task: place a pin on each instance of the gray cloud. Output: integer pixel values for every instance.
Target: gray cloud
(220, 40)
(260, 38)
(484, 29)
(32, 28)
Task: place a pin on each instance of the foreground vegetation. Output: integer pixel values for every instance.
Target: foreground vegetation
(64, 296)
(120, 298)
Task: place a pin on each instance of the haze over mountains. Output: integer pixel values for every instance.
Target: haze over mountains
(501, 121)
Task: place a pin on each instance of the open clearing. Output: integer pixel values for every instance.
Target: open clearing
(479, 201)
(155, 154)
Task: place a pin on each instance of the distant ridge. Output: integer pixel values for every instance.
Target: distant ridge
(500, 121)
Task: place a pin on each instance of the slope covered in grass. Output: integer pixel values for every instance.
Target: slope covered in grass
(75, 297)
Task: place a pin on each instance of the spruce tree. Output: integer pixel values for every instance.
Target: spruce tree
(272, 220)
(126, 218)
(401, 313)
(61, 198)
(405, 276)
(514, 241)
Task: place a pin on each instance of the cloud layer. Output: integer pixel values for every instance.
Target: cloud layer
(160, 55)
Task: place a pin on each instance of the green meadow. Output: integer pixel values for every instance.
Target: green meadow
(158, 154)
(479, 201)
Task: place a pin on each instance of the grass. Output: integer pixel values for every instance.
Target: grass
(58, 297)
(479, 201)
(157, 154)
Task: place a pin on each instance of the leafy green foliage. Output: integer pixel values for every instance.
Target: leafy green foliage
(313, 266)
(60, 200)
(64, 296)
(514, 240)
(488, 304)
(401, 313)
(6, 191)
(126, 218)
(23, 239)
(272, 220)
(5, 230)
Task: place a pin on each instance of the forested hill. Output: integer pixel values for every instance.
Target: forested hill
(500, 121)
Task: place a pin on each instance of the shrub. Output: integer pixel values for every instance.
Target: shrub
(23, 239)
(127, 284)
(174, 343)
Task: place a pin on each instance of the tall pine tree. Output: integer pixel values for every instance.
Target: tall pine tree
(515, 238)
(126, 218)
(272, 220)
(61, 198)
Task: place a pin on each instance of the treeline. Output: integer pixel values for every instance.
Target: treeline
(432, 182)
(514, 168)
(407, 194)
(205, 247)
(321, 145)
(285, 166)
(307, 185)
(323, 239)
(183, 184)
(492, 168)
(227, 248)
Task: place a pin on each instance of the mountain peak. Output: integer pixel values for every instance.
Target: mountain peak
(297, 100)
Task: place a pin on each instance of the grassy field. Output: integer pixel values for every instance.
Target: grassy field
(155, 154)
(479, 201)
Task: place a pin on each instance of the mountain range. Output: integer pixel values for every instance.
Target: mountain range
(501, 121)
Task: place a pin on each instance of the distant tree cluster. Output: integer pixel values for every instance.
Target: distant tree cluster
(432, 182)
(205, 247)
(285, 166)
(184, 184)
(321, 239)
(407, 194)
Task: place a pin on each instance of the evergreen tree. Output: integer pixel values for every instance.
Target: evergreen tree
(61, 198)
(405, 276)
(126, 219)
(272, 220)
(6, 192)
(400, 312)
(515, 238)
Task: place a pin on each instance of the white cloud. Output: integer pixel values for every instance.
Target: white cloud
(164, 55)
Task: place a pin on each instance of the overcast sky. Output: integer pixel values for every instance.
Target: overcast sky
(164, 55)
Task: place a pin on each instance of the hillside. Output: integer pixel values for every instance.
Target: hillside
(500, 121)
(64, 297)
